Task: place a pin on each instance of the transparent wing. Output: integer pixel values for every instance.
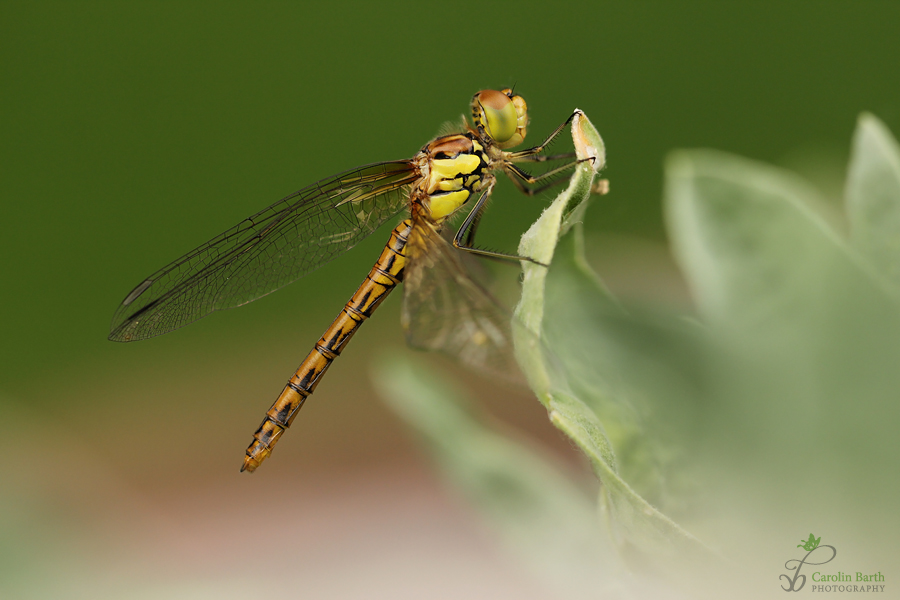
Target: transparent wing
(266, 251)
(444, 309)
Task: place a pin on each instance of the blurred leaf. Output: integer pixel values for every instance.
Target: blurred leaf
(790, 305)
(540, 513)
(619, 363)
(757, 257)
(805, 342)
(873, 196)
(632, 518)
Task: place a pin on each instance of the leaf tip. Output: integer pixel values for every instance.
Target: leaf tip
(588, 143)
(871, 127)
(867, 118)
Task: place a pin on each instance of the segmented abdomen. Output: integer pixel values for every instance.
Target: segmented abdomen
(381, 280)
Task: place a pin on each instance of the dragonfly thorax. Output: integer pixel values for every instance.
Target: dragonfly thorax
(454, 169)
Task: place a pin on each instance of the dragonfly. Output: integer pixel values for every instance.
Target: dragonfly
(443, 307)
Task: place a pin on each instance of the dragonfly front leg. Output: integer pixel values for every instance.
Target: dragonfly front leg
(524, 178)
(545, 157)
(529, 155)
(519, 177)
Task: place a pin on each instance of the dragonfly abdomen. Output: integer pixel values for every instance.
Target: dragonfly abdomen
(381, 280)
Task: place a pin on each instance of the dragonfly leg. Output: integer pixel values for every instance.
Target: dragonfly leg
(521, 179)
(517, 181)
(465, 237)
(525, 155)
(526, 178)
(473, 227)
(545, 157)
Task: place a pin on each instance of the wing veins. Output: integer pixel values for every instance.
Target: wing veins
(190, 289)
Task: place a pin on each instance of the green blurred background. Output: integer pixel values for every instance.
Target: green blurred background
(133, 132)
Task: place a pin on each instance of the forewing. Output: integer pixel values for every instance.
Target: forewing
(444, 309)
(266, 251)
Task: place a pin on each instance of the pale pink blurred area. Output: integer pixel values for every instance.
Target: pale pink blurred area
(385, 532)
(122, 478)
(132, 489)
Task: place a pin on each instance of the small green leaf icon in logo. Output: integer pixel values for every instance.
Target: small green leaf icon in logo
(811, 544)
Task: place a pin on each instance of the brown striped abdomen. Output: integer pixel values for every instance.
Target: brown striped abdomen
(383, 278)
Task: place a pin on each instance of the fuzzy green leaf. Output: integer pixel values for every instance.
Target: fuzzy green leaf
(873, 196)
(541, 515)
(806, 335)
(758, 258)
(635, 520)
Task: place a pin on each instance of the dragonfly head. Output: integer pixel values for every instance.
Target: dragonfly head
(500, 116)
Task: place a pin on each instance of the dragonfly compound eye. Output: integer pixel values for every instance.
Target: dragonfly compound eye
(496, 112)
